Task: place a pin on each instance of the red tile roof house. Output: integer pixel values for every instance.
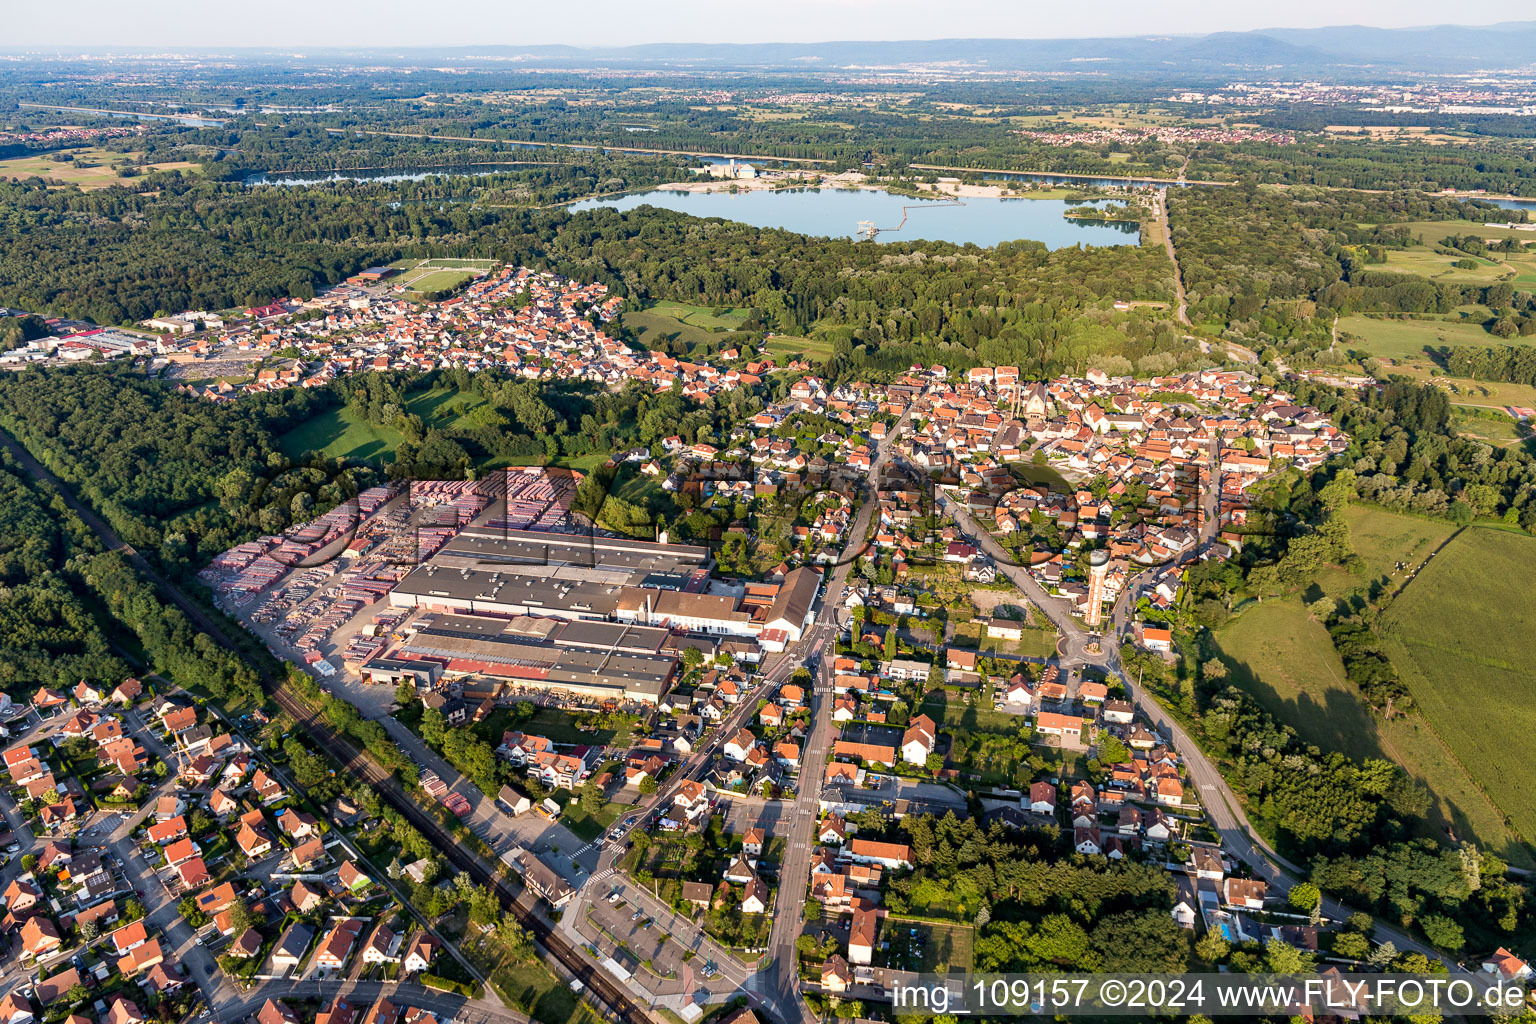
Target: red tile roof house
(123, 1011)
(15, 1009)
(39, 936)
(246, 945)
(180, 850)
(336, 948)
(56, 987)
(275, 1011)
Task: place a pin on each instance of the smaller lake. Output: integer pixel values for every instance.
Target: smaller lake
(381, 174)
(837, 213)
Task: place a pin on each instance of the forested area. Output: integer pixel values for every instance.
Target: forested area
(1511, 363)
(48, 633)
(1278, 264)
(887, 306)
(174, 475)
(115, 255)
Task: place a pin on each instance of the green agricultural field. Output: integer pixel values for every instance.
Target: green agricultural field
(90, 169)
(1459, 636)
(1283, 656)
(1278, 652)
(1432, 232)
(1381, 539)
(1465, 391)
(1407, 339)
(340, 432)
(662, 333)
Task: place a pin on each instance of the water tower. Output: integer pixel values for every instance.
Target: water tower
(1098, 569)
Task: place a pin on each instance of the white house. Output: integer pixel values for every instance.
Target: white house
(918, 741)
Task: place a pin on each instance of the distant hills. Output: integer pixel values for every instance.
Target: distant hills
(1435, 49)
(1342, 52)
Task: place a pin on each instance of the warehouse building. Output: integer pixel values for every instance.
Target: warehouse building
(474, 646)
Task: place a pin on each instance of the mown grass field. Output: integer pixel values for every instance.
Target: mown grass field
(437, 280)
(700, 316)
(784, 348)
(1426, 262)
(1407, 339)
(98, 175)
(1278, 652)
(1500, 431)
(1282, 655)
(1459, 635)
(664, 324)
(1465, 391)
(345, 433)
(1432, 232)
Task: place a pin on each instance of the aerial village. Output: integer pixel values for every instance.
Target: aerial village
(651, 716)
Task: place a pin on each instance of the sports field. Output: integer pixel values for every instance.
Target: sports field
(435, 275)
(1459, 636)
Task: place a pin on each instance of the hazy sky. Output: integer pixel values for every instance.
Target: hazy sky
(312, 23)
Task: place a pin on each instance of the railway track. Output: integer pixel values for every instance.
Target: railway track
(618, 1003)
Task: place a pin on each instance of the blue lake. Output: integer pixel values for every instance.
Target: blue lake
(838, 212)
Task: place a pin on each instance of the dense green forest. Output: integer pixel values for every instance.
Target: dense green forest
(49, 633)
(1275, 265)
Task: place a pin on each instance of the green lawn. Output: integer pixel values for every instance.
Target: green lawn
(1499, 430)
(679, 327)
(946, 947)
(1407, 339)
(562, 727)
(1381, 539)
(663, 333)
(1283, 656)
(701, 316)
(1426, 262)
(344, 432)
(1031, 474)
(784, 348)
(587, 825)
(1459, 636)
